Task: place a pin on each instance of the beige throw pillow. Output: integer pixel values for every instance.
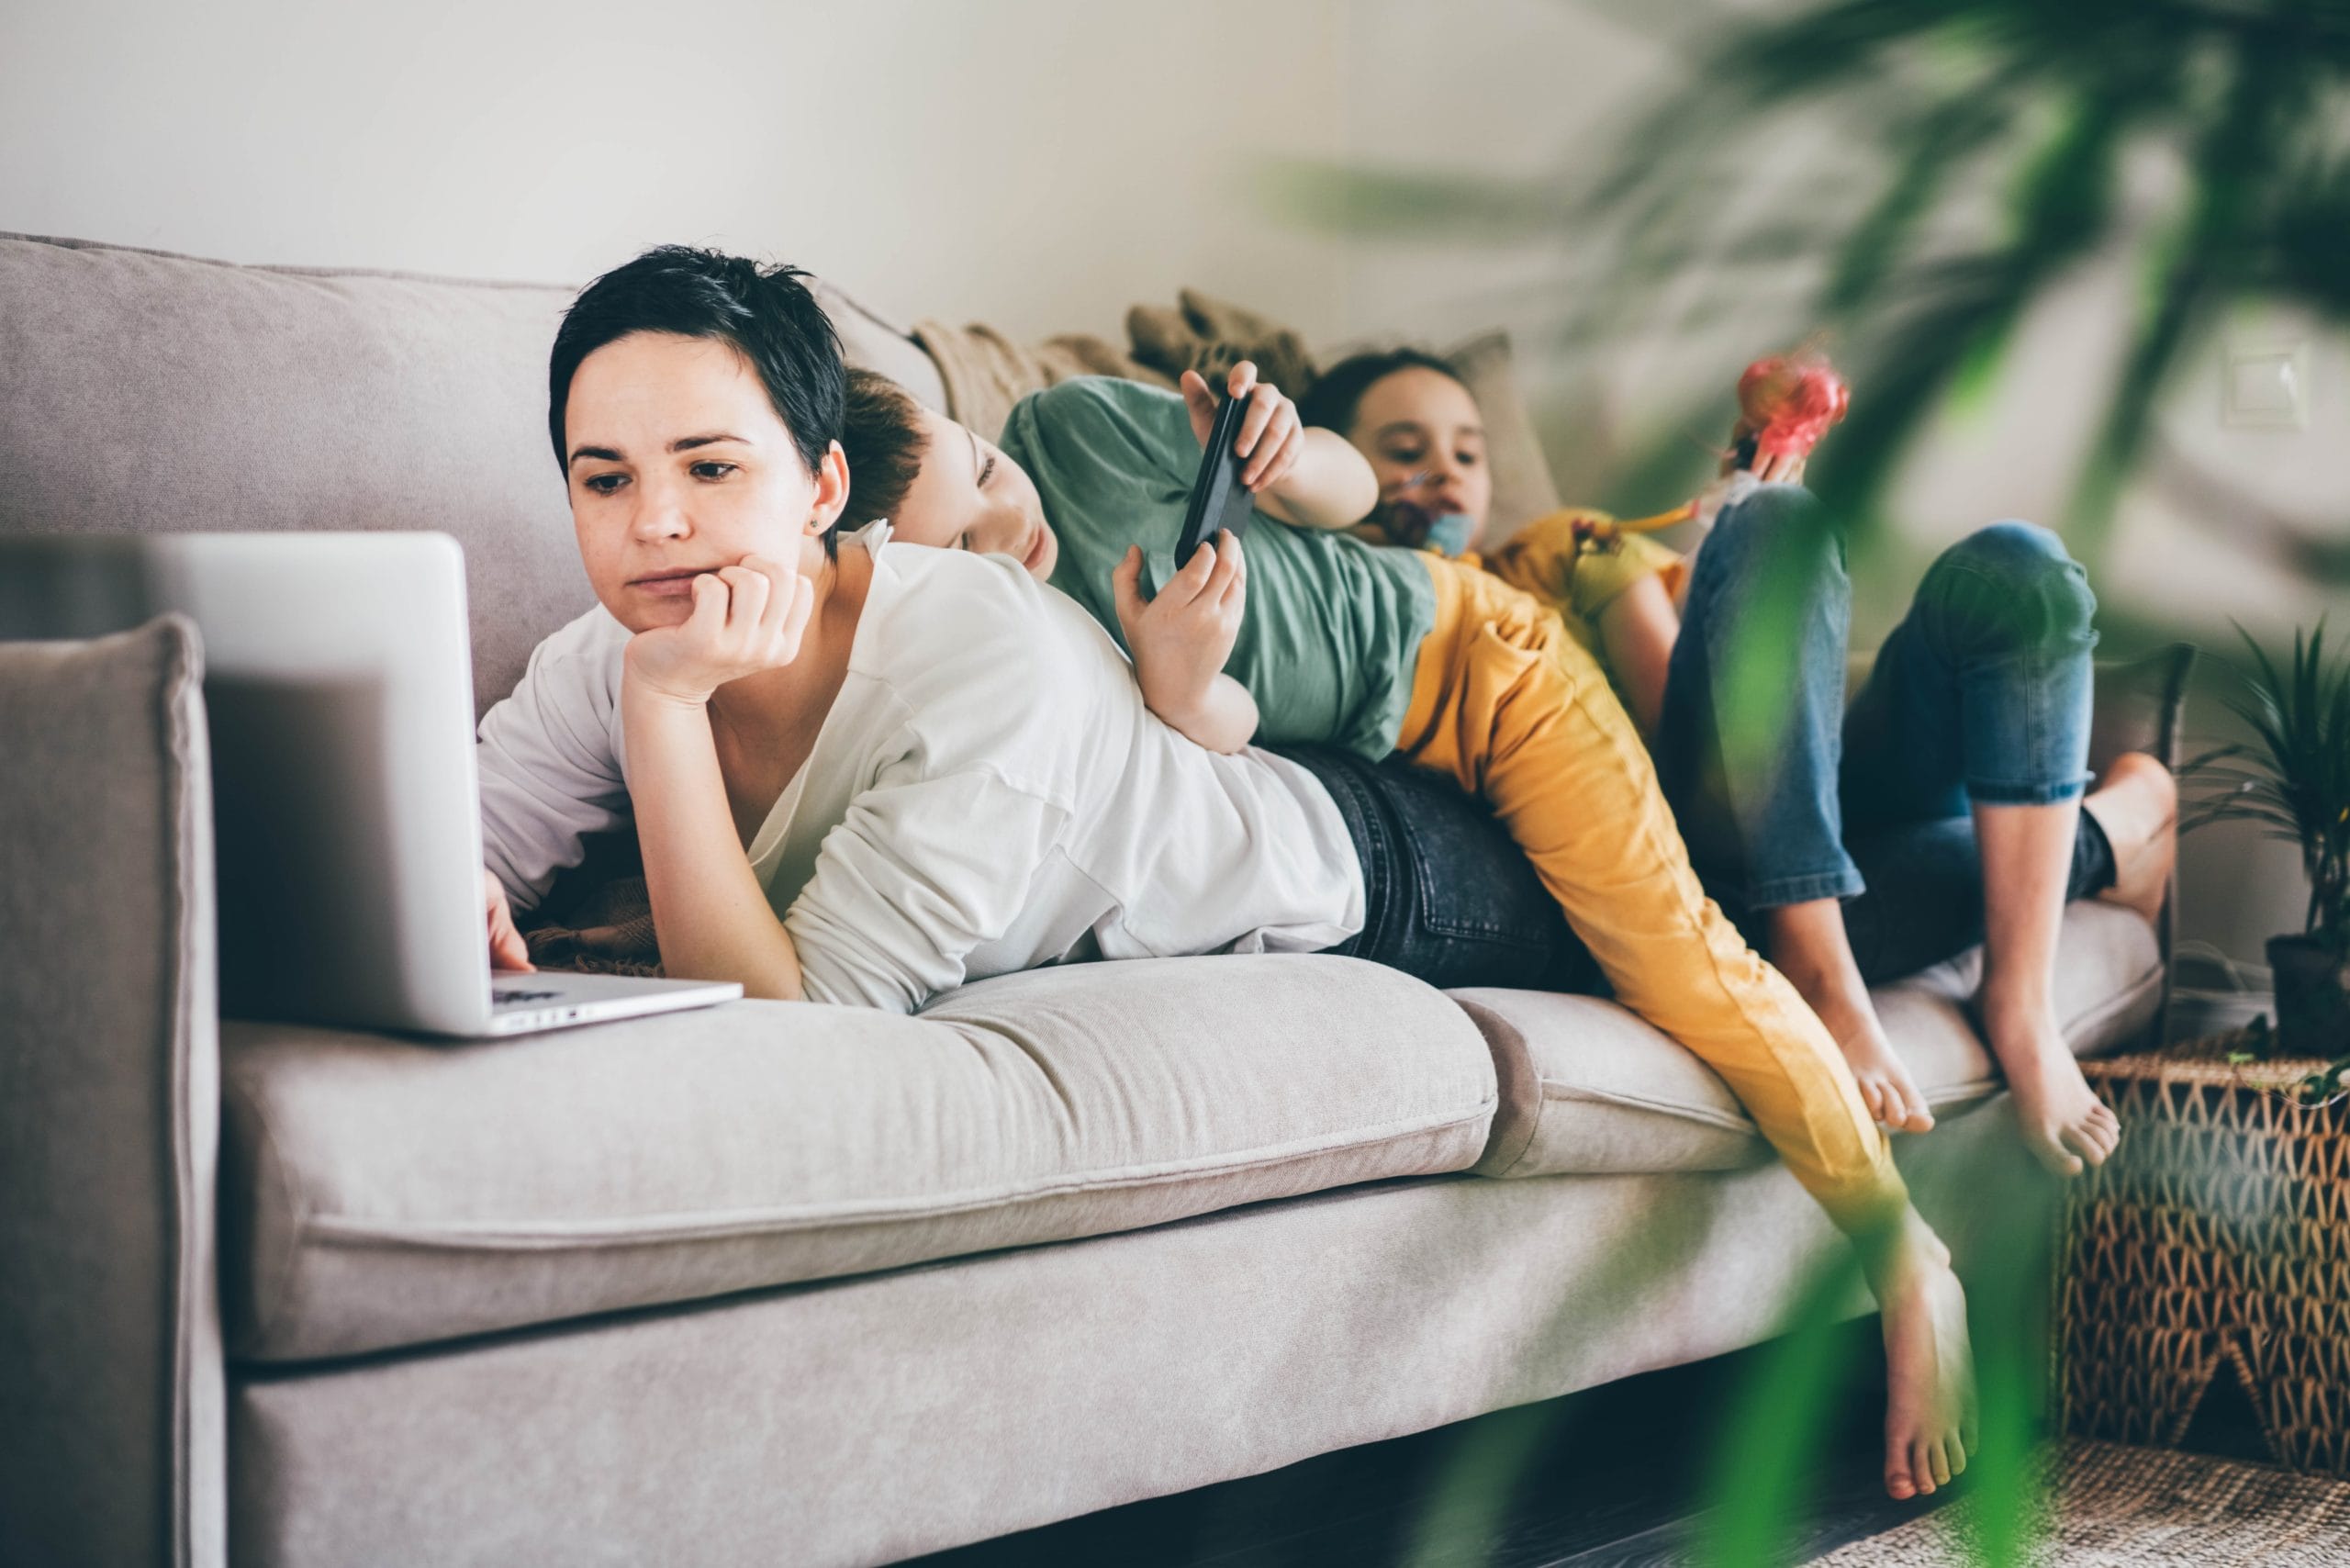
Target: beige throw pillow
(985, 374)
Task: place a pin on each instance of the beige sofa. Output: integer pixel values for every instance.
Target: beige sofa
(768, 1282)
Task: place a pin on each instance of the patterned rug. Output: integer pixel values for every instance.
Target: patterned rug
(2116, 1505)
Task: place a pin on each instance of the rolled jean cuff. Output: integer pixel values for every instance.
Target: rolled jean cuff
(1983, 793)
(1777, 892)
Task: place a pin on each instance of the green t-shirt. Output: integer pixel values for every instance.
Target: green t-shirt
(1333, 627)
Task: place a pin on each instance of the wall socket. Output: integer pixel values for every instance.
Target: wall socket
(2267, 386)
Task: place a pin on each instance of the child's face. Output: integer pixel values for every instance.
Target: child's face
(970, 495)
(1426, 442)
(680, 464)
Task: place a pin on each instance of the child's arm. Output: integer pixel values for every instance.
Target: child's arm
(1331, 487)
(1181, 638)
(1637, 629)
(1310, 478)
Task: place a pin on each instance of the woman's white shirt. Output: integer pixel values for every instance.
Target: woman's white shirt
(988, 793)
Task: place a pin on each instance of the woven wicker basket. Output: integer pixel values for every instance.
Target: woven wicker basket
(2218, 1237)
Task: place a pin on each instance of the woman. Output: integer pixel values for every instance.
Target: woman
(1943, 807)
(859, 773)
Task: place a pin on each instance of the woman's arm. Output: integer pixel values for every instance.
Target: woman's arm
(1309, 479)
(714, 919)
(707, 905)
(549, 769)
(1636, 631)
(927, 867)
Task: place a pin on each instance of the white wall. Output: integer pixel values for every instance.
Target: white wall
(1043, 163)
(1539, 89)
(1527, 86)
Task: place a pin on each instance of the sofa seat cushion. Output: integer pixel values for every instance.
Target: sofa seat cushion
(381, 1191)
(1587, 1087)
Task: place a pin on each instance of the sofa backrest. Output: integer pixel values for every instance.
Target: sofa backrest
(143, 393)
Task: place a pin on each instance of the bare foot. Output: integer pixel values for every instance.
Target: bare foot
(2137, 806)
(1892, 1096)
(1808, 946)
(2064, 1122)
(1929, 1413)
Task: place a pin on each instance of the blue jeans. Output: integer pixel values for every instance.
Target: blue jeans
(1980, 696)
(1448, 895)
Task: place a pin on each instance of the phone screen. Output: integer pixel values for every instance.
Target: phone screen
(1219, 501)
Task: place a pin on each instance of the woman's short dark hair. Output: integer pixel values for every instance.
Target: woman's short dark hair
(883, 439)
(1330, 403)
(764, 313)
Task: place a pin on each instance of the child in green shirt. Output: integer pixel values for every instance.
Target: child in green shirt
(1316, 636)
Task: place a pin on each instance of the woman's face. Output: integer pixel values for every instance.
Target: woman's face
(679, 465)
(1426, 442)
(970, 495)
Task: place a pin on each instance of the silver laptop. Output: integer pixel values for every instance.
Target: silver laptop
(337, 675)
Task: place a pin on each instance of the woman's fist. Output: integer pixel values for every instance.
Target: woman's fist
(746, 618)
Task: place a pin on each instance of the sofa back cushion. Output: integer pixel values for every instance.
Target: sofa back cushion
(149, 393)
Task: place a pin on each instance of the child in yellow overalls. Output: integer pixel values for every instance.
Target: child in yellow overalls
(1321, 638)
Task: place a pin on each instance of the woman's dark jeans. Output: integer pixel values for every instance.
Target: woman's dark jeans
(1448, 895)
(1981, 695)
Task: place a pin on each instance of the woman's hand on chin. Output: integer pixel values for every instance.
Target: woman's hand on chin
(746, 618)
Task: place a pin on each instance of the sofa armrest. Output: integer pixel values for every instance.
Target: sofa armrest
(112, 1446)
(2141, 705)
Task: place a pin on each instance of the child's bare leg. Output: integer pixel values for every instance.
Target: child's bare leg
(1510, 707)
(2136, 802)
(1808, 944)
(2027, 855)
(1929, 1412)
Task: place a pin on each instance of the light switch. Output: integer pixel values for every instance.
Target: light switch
(2267, 387)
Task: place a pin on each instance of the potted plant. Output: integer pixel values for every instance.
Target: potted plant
(2294, 780)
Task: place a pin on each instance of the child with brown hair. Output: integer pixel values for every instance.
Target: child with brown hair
(1317, 637)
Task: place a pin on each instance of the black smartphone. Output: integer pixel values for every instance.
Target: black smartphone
(1219, 501)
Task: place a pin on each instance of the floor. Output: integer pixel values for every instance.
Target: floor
(1615, 1477)
(1611, 1478)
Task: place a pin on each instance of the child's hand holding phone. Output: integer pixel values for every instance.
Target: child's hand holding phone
(1271, 433)
(1181, 638)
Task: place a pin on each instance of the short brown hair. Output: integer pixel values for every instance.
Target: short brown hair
(882, 438)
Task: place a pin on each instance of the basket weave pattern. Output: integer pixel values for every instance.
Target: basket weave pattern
(2218, 1237)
